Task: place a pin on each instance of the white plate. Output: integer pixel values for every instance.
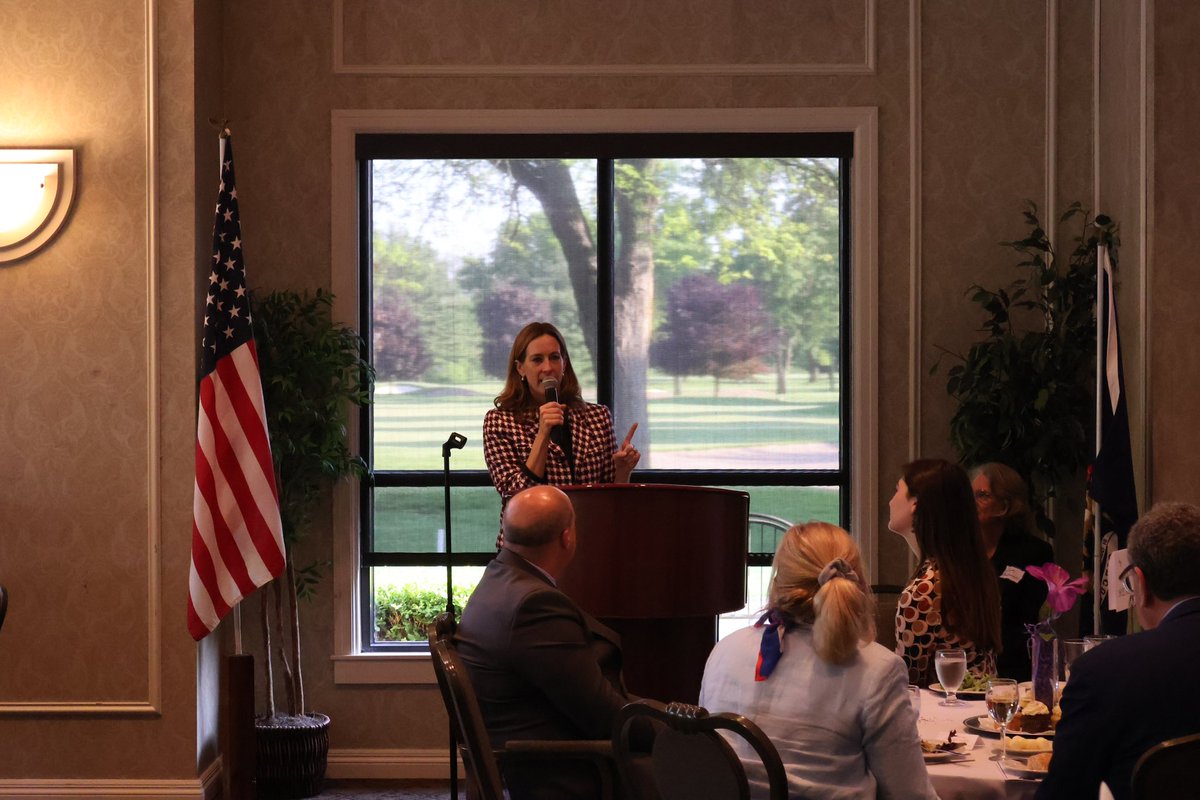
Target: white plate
(976, 693)
(1021, 770)
(983, 724)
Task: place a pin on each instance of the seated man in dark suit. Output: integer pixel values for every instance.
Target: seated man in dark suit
(1131, 693)
(541, 666)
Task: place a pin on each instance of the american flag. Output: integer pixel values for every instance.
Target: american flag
(237, 537)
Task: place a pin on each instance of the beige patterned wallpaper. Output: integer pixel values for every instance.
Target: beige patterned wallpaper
(96, 670)
(981, 104)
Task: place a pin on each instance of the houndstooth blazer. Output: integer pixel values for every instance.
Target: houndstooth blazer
(508, 438)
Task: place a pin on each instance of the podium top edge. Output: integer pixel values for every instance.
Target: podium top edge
(674, 487)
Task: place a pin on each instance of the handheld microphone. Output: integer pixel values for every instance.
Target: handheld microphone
(550, 388)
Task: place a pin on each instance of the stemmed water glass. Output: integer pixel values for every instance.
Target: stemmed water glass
(914, 698)
(951, 666)
(1001, 698)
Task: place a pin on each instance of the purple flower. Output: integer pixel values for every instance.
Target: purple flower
(1061, 592)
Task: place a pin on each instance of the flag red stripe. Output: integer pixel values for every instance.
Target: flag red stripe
(223, 522)
(254, 440)
(207, 600)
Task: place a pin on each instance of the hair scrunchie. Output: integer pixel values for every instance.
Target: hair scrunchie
(838, 568)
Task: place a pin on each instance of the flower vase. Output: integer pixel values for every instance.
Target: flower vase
(1044, 654)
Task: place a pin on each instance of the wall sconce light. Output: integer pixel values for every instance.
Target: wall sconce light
(37, 190)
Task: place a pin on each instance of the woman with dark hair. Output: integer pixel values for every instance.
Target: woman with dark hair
(952, 600)
(530, 438)
(832, 700)
(1008, 528)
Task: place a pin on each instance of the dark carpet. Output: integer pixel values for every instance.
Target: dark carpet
(388, 790)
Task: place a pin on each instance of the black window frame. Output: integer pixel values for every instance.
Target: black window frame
(605, 148)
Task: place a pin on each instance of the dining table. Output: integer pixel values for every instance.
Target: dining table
(977, 774)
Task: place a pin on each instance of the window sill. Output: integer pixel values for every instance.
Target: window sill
(412, 669)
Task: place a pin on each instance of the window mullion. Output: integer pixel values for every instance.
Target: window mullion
(605, 255)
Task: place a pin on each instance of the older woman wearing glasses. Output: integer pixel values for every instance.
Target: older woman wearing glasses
(1010, 541)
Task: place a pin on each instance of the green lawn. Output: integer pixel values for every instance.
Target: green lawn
(410, 427)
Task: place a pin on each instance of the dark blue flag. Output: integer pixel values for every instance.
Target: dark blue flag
(1110, 478)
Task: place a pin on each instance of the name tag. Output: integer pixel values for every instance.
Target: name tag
(1013, 574)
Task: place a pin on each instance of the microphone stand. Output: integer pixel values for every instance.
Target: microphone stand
(455, 442)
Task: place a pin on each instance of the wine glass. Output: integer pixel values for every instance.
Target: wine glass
(951, 666)
(1001, 699)
(914, 698)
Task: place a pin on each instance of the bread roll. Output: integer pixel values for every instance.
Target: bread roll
(1039, 761)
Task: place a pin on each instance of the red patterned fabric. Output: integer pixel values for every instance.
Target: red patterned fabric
(920, 631)
(508, 438)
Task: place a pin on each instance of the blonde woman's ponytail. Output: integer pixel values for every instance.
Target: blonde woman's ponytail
(816, 579)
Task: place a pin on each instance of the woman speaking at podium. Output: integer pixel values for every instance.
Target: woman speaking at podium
(541, 430)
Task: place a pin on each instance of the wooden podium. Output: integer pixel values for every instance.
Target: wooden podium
(657, 564)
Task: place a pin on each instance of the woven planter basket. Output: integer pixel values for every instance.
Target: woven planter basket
(291, 755)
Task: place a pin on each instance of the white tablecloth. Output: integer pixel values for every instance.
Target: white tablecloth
(979, 778)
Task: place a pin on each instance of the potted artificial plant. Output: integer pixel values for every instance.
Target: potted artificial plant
(312, 371)
(1024, 390)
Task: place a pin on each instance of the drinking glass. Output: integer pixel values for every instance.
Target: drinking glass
(1094, 641)
(1071, 650)
(1002, 702)
(914, 698)
(951, 666)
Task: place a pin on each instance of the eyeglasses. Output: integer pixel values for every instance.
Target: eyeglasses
(1126, 578)
(983, 495)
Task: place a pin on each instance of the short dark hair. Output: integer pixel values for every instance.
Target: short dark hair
(1165, 544)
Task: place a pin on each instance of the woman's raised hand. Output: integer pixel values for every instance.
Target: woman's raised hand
(626, 457)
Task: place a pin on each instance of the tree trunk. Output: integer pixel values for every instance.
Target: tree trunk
(297, 669)
(550, 182)
(264, 618)
(677, 382)
(783, 361)
(633, 287)
(288, 680)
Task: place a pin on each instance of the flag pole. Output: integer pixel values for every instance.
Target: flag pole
(1096, 511)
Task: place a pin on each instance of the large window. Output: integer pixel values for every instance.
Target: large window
(701, 282)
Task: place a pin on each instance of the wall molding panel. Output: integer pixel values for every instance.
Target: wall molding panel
(550, 65)
(151, 705)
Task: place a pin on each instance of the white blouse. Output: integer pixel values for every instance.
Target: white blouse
(843, 731)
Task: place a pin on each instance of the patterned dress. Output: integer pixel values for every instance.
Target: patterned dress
(920, 632)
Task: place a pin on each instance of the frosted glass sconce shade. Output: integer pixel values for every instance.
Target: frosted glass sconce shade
(37, 190)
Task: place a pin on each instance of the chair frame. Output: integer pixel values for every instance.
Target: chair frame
(695, 720)
(1172, 752)
(483, 762)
